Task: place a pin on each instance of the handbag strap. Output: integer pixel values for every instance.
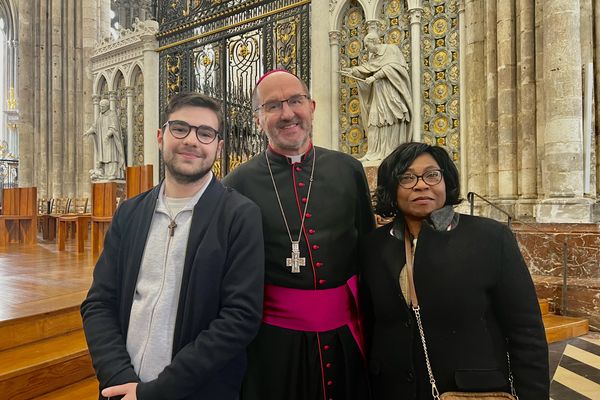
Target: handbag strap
(416, 309)
(409, 255)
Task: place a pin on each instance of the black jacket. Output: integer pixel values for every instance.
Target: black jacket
(220, 302)
(477, 301)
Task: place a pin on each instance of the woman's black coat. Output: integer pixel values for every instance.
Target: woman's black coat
(477, 301)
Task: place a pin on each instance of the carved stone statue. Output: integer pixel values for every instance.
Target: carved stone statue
(385, 97)
(108, 148)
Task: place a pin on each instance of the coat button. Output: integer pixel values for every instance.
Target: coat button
(318, 264)
(304, 200)
(322, 281)
(301, 184)
(298, 168)
(308, 215)
(329, 383)
(311, 231)
(328, 365)
(315, 247)
(326, 347)
(410, 376)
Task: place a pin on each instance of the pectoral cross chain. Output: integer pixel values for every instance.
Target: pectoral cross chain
(172, 227)
(295, 261)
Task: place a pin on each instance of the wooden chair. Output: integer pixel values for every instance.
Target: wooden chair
(18, 223)
(104, 205)
(139, 180)
(43, 219)
(59, 206)
(78, 217)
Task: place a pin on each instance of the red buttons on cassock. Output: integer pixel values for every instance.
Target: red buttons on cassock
(315, 247)
(318, 264)
(322, 281)
(326, 347)
(308, 215)
(328, 365)
(329, 383)
(311, 231)
(304, 200)
(301, 184)
(298, 169)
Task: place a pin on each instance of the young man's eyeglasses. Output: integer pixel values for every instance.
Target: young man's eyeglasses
(180, 130)
(274, 106)
(431, 178)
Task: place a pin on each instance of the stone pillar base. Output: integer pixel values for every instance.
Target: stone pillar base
(525, 209)
(571, 210)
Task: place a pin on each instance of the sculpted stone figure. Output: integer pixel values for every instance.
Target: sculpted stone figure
(385, 97)
(108, 148)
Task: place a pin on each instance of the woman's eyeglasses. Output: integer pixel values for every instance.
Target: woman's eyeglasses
(431, 178)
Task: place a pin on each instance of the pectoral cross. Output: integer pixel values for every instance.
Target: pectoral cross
(295, 261)
(172, 227)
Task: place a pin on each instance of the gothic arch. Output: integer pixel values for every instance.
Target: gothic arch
(101, 86)
(337, 18)
(136, 67)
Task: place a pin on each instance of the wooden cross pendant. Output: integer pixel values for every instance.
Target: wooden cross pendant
(172, 227)
(295, 261)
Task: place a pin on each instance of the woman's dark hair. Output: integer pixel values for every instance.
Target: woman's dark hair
(398, 162)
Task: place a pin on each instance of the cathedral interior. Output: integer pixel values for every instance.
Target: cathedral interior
(507, 88)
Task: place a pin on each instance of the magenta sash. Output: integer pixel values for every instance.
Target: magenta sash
(314, 310)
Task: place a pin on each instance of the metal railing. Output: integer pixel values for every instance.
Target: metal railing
(565, 247)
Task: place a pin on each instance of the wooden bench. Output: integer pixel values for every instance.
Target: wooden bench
(104, 205)
(18, 222)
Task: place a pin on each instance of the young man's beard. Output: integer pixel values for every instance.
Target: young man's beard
(186, 178)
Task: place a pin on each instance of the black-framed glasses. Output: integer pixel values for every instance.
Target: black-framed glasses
(274, 106)
(180, 130)
(431, 178)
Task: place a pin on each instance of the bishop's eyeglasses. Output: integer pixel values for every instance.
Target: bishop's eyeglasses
(431, 178)
(180, 130)
(294, 102)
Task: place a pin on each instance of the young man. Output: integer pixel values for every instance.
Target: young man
(315, 205)
(177, 291)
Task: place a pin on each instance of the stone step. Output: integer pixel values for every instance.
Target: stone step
(37, 368)
(560, 328)
(86, 389)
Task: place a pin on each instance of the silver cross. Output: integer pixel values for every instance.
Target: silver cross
(295, 261)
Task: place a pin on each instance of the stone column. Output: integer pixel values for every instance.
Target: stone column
(90, 33)
(540, 117)
(563, 160)
(151, 96)
(596, 60)
(526, 117)
(474, 74)
(507, 144)
(320, 68)
(57, 97)
(129, 92)
(491, 97)
(26, 91)
(334, 55)
(587, 59)
(69, 109)
(416, 9)
(113, 97)
(41, 108)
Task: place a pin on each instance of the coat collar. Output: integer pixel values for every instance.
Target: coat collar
(444, 219)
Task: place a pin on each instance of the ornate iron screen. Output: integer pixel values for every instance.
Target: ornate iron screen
(221, 48)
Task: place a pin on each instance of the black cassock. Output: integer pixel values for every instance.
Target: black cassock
(290, 364)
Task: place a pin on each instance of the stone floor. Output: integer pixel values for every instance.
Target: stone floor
(575, 368)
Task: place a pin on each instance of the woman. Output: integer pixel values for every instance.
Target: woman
(477, 300)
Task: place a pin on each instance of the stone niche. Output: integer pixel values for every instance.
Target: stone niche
(547, 248)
